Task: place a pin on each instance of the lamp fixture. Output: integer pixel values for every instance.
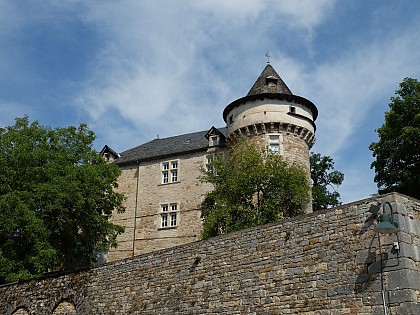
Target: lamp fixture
(386, 223)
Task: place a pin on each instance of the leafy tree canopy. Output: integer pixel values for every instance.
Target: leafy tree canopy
(397, 153)
(251, 187)
(56, 196)
(324, 178)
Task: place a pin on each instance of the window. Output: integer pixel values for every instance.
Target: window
(170, 172)
(275, 144)
(213, 140)
(165, 178)
(209, 166)
(210, 159)
(231, 119)
(168, 215)
(174, 175)
(164, 220)
(293, 109)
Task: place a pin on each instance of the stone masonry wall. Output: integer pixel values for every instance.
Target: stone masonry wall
(295, 150)
(327, 262)
(143, 205)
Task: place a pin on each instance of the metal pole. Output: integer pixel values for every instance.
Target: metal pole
(382, 276)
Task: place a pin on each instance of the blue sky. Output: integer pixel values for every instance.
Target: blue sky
(135, 69)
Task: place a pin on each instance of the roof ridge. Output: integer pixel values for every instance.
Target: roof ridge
(169, 146)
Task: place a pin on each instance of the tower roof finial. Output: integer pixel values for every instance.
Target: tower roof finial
(267, 54)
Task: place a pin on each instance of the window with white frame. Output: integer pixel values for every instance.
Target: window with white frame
(209, 164)
(213, 140)
(275, 143)
(168, 215)
(170, 172)
(210, 159)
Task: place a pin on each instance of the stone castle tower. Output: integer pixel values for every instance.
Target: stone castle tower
(275, 117)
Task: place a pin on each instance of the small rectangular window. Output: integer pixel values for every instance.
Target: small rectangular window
(275, 148)
(173, 219)
(293, 109)
(214, 140)
(174, 176)
(164, 220)
(165, 177)
(209, 165)
(165, 166)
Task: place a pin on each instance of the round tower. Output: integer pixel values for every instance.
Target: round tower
(274, 117)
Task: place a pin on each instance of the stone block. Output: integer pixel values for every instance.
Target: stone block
(408, 308)
(403, 279)
(398, 296)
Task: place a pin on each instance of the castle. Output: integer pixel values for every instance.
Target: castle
(161, 178)
(334, 261)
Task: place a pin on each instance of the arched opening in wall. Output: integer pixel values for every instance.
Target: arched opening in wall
(20, 311)
(65, 308)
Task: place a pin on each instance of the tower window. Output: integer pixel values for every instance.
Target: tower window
(231, 119)
(293, 109)
(275, 143)
(271, 83)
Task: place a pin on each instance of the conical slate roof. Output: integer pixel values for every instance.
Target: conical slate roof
(270, 85)
(260, 86)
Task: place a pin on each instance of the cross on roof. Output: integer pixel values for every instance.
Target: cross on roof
(267, 54)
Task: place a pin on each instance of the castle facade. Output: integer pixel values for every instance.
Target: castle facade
(160, 178)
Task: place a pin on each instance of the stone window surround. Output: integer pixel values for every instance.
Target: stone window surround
(210, 158)
(214, 140)
(275, 140)
(170, 172)
(169, 217)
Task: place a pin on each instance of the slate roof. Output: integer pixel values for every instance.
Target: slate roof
(259, 86)
(260, 91)
(165, 147)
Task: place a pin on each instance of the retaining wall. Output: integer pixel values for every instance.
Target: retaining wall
(328, 262)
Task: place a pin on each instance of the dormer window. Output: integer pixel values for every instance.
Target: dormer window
(213, 140)
(271, 83)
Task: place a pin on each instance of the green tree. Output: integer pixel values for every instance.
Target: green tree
(397, 153)
(56, 196)
(251, 188)
(324, 178)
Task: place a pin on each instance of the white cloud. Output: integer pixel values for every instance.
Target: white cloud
(166, 69)
(300, 14)
(346, 89)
